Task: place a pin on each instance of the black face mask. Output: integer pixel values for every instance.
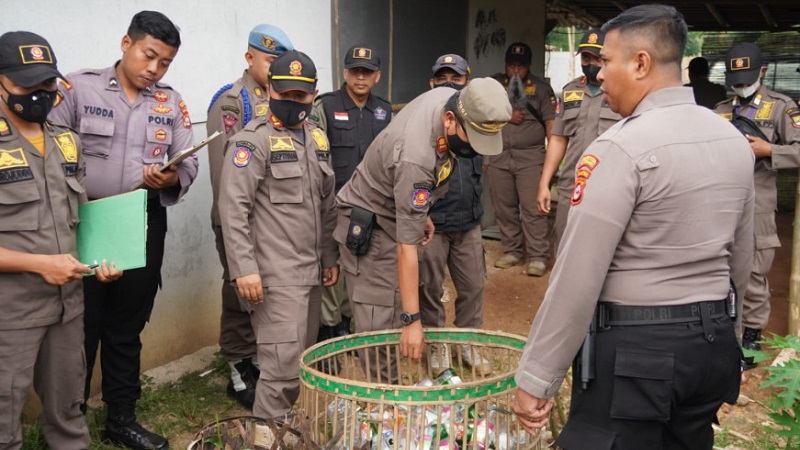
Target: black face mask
(289, 112)
(459, 147)
(450, 84)
(591, 71)
(33, 107)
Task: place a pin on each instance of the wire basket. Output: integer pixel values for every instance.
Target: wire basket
(371, 395)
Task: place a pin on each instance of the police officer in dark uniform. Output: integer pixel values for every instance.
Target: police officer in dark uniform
(351, 116)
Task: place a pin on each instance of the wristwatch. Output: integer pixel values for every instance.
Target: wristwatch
(408, 319)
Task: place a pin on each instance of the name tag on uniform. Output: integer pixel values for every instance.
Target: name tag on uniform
(341, 116)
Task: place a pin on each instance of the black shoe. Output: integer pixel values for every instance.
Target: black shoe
(343, 329)
(249, 374)
(748, 362)
(325, 333)
(125, 431)
(750, 339)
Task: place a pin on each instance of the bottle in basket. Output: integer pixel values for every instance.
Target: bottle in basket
(448, 377)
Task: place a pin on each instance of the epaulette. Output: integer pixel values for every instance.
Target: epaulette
(86, 72)
(61, 126)
(161, 85)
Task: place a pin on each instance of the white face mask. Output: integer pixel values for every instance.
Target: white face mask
(747, 91)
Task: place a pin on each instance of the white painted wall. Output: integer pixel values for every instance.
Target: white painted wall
(87, 33)
(558, 68)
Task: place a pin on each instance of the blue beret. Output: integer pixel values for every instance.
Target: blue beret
(270, 39)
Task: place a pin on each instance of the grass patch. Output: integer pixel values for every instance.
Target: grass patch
(176, 410)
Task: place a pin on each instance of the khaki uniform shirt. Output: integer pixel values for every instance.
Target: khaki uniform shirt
(120, 138)
(403, 171)
(227, 115)
(582, 117)
(662, 214)
(277, 204)
(778, 117)
(39, 198)
(522, 142)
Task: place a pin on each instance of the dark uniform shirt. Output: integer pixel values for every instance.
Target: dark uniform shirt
(39, 198)
(350, 129)
(403, 172)
(460, 209)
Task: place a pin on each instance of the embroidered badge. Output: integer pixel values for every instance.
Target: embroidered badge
(267, 42)
(553, 100)
(230, 108)
(10, 159)
(444, 172)
(157, 151)
(320, 139)
(275, 121)
(66, 84)
(420, 198)
(573, 96)
(740, 63)
(258, 92)
(295, 68)
(340, 116)
(280, 143)
(4, 129)
(441, 144)
(362, 53)
(187, 122)
(229, 121)
(33, 54)
(161, 109)
(58, 100)
(161, 135)
(726, 116)
(582, 173)
(380, 113)
(593, 38)
(161, 96)
(241, 156)
(765, 112)
(794, 115)
(530, 89)
(261, 110)
(356, 230)
(69, 148)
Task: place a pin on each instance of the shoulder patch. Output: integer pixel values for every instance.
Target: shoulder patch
(794, 116)
(420, 198)
(230, 108)
(380, 113)
(242, 153)
(68, 147)
(261, 110)
(582, 173)
(229, 121)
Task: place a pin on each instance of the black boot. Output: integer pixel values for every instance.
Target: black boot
(122, 429)
(343, 329)
(750, 339)
(246, 375)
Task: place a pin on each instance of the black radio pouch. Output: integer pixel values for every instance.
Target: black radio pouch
(359, 233)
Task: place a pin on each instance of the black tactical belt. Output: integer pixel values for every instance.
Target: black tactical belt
(610, 314)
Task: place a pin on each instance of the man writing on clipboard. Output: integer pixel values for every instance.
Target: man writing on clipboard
(127, 122)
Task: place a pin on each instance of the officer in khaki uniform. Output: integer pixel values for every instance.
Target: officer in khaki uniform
(383, 209)
(41, 174)
(661, 220)
(457, 243)
(351, 117)
(231, 109)
(582, 116)
(129, 122)
(277, 213)
(514, 174)
(778, 118)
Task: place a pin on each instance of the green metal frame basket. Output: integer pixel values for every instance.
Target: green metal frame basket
(371, 393)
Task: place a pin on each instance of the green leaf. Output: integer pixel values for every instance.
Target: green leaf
(787, 378)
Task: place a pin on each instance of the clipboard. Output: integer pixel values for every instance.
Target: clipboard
(180, 156)
(115, 229)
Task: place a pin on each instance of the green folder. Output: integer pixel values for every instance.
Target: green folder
(115, 229)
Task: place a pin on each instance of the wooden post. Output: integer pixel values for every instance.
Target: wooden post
(794, 278)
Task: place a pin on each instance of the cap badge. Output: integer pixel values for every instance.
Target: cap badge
(593, 38)
(267, 42)
(448, 59)
(517, 50)
(362, 53)
(33, 54)
(741, 63)
(295, 68)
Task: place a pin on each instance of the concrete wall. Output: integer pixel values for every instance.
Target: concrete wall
(214, 34)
